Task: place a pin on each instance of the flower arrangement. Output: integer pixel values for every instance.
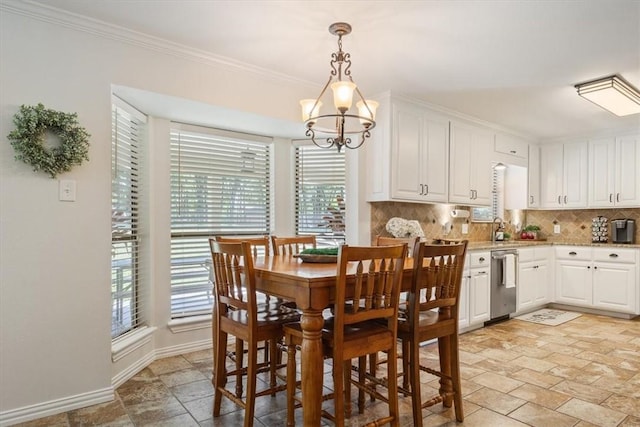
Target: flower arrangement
(400, 227)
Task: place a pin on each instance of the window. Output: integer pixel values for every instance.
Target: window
(127, 296)
(220, 184)
(320, 189)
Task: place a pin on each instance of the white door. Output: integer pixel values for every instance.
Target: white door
(406, 153)
(573, 282)
(628, 171)
(614, 286)
(542, 288)
(435, 168)
(479, 296)
(575, 175)
(534, 176)
(602, 173)
(460, 163)
(527, 281)
(551, 176)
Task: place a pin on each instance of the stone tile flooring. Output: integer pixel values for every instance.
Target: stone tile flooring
(583, 373)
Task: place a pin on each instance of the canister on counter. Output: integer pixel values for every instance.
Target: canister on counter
(599, 230)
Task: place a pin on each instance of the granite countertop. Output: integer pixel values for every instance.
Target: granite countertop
(510, 244)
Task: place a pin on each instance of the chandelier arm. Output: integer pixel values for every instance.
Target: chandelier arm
(311, 134)
(365, 134)
(364, 101)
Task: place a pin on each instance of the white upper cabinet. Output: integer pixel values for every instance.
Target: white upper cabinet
(563, 175)
(614, 172)
(408, 158)
(419, 154)
(533, 200)
(471, 151)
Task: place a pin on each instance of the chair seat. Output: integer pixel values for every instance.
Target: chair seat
(427, 318)
(268, 317)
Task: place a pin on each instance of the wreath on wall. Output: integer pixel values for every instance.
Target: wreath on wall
(28, 139)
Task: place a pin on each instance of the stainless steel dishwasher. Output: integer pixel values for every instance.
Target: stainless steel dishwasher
(504, 279)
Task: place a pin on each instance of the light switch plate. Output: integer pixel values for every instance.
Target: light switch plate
(67, 190)
(556, 229)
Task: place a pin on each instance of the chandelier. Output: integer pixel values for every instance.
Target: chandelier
(341, 125)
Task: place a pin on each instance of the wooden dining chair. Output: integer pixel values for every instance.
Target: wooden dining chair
(432, 313)
(237, 313)
(365, 321)
(387, 240)
(292, 245)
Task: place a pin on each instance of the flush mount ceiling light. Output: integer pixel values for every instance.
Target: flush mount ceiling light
(612, 93)
(340, 125)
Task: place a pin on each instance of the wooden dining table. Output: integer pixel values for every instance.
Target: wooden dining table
(312, 287)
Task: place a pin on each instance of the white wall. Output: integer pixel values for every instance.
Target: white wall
(55, 318)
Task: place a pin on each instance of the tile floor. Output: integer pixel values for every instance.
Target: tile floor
(582, 373)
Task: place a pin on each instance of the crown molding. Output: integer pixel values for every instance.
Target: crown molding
(62, 18)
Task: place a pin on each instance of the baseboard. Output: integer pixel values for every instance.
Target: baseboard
(123, 376)
(52, 407)
(177, 350)
(579, 309)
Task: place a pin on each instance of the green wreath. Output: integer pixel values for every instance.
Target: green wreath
(28, 139)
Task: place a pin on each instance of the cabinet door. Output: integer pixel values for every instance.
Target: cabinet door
(575, 175)
(551, 166)
(614, 287)
(481, 172)
(602, 172)
(573, 282)
(479, 296)
(406, 152)
(434, 172)
(534, 177)
(463, 305)
(527, 282)
(460, 163)
(628, 171)
(542, 286)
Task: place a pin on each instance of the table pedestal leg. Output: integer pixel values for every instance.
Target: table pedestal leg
(312, 366)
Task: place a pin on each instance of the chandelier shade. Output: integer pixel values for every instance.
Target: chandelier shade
(340, 126)
(613, 94)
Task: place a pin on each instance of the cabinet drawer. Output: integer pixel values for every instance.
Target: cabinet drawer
(574, 253)
(511, 145)
(480, 259)
(615, 255)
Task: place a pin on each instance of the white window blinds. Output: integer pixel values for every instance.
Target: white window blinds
(319, 192)
(127, 293)
(220, 184)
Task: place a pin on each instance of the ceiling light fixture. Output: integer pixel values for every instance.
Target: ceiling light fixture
(342, 124)
(612, 93)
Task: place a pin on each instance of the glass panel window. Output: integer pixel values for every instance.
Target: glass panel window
(220, 184)
(319, 191)
(128, 127)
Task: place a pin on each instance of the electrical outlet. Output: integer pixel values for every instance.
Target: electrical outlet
(465, 228)
(67, 190)
(556, 229)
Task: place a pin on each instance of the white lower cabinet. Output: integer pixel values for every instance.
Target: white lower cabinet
(598, 277)
(534, 279)
(475, 306)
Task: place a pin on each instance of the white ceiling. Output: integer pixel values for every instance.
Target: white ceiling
(514, 63)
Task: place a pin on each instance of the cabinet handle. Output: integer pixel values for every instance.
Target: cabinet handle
(572, 253)
(565, 200)
(426, 187)
(617, 197)
(513, 151)
(475, 194)
(610, 197)
(481, 259)
(530, 200)
(559, 200)
(614, 255)
(588, 267)
(595, 267)
(421, 189)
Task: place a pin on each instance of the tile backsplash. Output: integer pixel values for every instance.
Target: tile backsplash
(575, 225)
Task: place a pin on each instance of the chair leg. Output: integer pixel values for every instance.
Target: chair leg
(373, 367)
(392, 384)
(273, 350)
(347, 388)
(220, 377)
(406, 355)
(291, 382)
(251, 384)
(338, 391)
(362, 362)
(444, 351)
(239, 365)
(414, 378)
(455, 379)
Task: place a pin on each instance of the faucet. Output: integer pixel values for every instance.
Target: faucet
(493, 229)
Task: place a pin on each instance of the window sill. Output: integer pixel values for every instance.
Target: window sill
(192, 323)
(123, 346)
